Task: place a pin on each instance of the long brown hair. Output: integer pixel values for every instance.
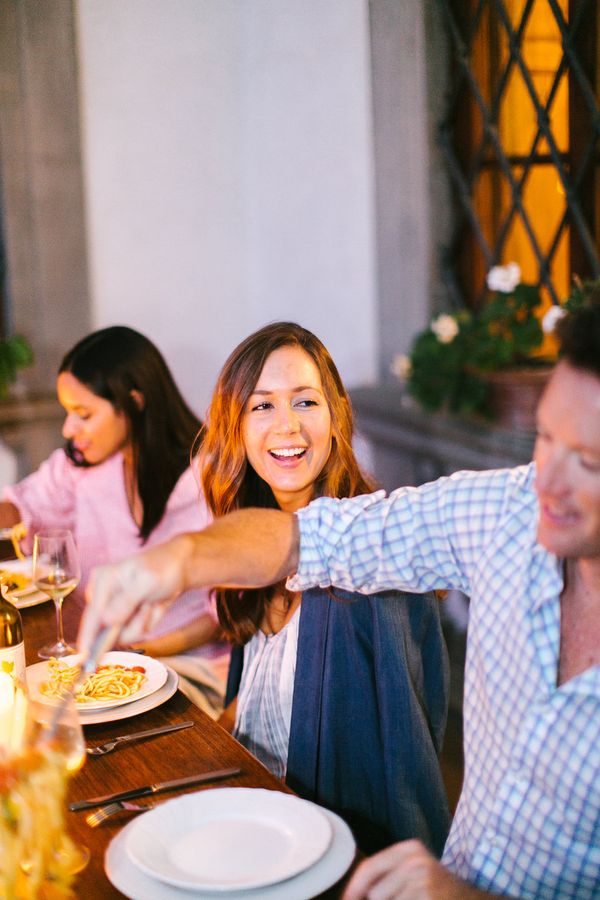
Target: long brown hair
(229, 482)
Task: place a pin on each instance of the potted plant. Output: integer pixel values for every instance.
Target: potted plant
(15, 354)
(485, 362)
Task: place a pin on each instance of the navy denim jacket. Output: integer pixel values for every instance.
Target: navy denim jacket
(369, 712)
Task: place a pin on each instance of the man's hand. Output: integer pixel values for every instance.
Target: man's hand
(132, 593)
(406, 871)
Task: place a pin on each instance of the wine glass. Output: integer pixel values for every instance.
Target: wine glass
(56, 573)
(63, 736)
(60, 743)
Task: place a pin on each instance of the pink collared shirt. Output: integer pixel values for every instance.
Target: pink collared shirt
(92, 503)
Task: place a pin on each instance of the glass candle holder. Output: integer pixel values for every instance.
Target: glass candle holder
(37, 856)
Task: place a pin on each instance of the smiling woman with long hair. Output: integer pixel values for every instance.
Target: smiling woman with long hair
(343, 695)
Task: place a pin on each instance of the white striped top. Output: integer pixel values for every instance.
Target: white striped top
(264, 702)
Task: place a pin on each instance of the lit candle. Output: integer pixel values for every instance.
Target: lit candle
(7, 702)
(19, 720)
(13, 712)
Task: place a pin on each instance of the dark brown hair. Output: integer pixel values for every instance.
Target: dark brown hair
(112, 363)
(229, 482)
(579, 333)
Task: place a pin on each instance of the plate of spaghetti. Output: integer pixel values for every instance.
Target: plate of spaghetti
(120, 678)
(16, 584)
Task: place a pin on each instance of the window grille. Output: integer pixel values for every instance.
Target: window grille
(520, 135)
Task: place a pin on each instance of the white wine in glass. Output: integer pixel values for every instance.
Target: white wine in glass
(56, 572)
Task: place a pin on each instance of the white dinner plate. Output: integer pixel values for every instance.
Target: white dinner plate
(229, 839)
(155, 671)
(27, 599)
(28, 595)
(19, 567)
(98, 716)
(136, 885)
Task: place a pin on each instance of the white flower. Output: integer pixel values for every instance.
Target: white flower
(504, 278)
(401, 366)
(554, 314)
(445, 328)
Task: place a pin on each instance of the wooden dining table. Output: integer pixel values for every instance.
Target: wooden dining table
(205, 746)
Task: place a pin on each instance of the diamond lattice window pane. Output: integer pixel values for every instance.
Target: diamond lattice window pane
(520, 137)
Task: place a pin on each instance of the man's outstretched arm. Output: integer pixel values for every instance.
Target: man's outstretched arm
(248, 548)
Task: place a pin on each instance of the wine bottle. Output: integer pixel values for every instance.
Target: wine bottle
(12, 647)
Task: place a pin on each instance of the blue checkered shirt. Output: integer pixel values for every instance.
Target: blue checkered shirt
(528, 821)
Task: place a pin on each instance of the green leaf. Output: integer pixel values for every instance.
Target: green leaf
(15, 354)
(502, 334)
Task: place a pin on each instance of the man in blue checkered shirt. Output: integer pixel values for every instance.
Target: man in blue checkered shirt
(524, 544)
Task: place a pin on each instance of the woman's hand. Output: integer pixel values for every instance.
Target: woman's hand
(406, 871)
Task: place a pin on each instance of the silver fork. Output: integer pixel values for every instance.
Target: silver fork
(105, 812)
(136, 736)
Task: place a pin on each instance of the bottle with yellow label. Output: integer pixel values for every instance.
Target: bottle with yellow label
(12, 647)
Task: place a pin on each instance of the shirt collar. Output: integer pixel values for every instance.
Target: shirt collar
(547, 577)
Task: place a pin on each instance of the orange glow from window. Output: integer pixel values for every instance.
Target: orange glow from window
(542, 193)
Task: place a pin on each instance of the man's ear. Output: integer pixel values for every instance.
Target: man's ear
(138, 398)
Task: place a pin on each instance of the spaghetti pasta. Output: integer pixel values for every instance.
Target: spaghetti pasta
(108, 682)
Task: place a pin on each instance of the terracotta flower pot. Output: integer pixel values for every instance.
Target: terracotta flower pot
(514, 395)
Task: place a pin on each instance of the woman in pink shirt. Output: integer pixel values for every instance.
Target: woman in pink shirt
(124, 482)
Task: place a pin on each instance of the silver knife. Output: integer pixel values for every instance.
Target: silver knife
(215, 775)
